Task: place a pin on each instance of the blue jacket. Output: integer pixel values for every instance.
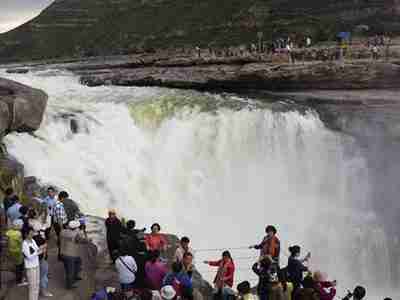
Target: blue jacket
(181, 277)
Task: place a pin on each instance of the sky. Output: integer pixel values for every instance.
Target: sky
(16, 12)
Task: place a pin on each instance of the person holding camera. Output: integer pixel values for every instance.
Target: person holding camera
(358, 293)
(296, 267)
(31, 253)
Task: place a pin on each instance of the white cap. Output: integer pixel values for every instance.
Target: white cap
(74, 224)
(168, 292)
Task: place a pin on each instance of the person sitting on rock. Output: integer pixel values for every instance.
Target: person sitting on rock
(155, 240)
(180, 281)
(127, 268)
(155, 271)
(223, 281)
(14, 237)
(187, 264)
(182, 249)
(70, 238)
(114, 230)
(270, 245)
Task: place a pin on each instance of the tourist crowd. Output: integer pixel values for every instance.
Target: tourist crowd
(141, 259)
(28, 232)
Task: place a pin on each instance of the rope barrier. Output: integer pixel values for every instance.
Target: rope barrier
(223, 249)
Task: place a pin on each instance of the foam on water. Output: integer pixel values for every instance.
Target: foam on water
(218, 177)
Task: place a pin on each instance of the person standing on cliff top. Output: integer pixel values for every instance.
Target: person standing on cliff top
(155, 240)
(60, 219)
(270, 244)
(114, 229)
(133, 243)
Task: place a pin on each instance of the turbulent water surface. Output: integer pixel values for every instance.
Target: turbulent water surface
(217, 168)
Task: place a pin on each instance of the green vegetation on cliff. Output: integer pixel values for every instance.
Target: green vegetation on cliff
(96, 27)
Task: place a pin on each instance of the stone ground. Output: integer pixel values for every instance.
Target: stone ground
(84, 288)
(97, 270)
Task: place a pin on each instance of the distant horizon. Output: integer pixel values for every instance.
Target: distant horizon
(14, 13)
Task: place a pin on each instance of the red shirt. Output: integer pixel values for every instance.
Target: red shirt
(225, 272)
(155, 241)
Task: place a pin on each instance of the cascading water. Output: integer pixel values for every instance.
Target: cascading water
(217, 175)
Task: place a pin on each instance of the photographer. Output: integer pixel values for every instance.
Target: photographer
(358, 294)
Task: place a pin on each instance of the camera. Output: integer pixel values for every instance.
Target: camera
(348, 296)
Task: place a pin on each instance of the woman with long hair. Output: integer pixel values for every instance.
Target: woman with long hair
(31, 254)
(223, 281)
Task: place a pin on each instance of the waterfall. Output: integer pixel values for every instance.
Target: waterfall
(218, 176)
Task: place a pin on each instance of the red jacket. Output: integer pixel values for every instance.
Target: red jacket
(155, 241)
(225, 272)
(326, 290)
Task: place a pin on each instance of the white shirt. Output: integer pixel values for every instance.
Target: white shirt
(180, 252)
(31, 259)
(126, 275)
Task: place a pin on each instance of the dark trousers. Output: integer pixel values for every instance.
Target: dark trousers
(72, 267)
(263, 295)
(112, 246)
(57, 229)
(296, 287)
(48, 230)
(19, 273)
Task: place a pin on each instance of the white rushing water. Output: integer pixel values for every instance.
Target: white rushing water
(217, 177)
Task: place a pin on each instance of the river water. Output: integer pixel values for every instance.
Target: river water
(217, 168)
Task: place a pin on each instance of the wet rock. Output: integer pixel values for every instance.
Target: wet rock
(257, 76)
(21, 107)
(17, 71)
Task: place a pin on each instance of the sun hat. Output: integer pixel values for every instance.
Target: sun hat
(74, 224)
(168, 292)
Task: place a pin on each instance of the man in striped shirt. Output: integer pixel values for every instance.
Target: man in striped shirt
(59, 217)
